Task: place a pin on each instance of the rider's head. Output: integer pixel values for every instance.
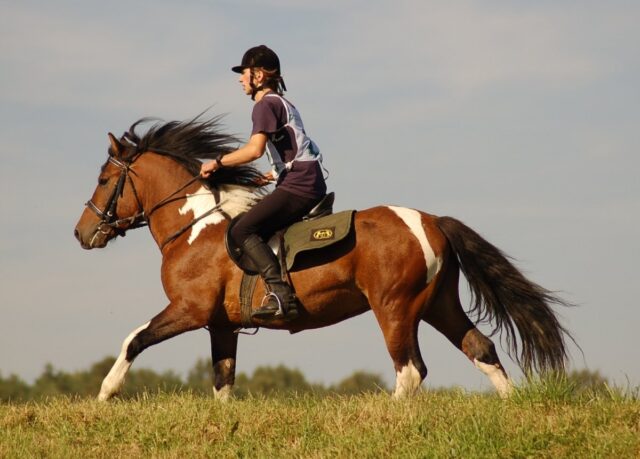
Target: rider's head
(260, 70)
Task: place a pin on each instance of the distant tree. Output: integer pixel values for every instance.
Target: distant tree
(241, 386)
(585, 379)
(360, 382)
(269, 380)
(14, 389)
(200, 377)
(51, 383)
(265, 380)
(144, 380)
(89, 382)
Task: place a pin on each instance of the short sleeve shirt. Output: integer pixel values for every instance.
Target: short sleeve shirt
(293, 155)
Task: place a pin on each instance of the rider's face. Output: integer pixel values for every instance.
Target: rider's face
(245, 79)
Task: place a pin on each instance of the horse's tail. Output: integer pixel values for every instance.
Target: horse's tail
(503, 296)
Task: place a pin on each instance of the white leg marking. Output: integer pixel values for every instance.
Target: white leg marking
(114, 380)
(224, 394)
(412, 219)
(408, 380)
(497, 376)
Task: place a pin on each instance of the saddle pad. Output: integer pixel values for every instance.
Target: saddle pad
(316, 234)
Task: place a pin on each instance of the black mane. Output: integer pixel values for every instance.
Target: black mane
(187, 142)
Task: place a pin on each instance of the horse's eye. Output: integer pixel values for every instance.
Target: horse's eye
(102, 181)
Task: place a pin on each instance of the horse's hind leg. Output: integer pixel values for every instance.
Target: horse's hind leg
(172, 321)
(447, 316)
(224, 345)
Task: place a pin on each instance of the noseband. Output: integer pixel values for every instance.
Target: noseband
(108, 217)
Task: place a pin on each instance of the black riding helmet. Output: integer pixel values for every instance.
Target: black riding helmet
(261, 57)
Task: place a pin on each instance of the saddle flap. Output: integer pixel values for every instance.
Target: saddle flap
(316, 234)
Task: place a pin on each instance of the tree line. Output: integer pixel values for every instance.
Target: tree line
(265, 380)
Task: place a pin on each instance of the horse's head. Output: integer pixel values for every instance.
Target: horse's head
(115, 205)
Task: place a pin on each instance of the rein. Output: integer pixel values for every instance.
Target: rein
(109, 218)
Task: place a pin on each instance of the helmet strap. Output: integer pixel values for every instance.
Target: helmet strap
(254, 89)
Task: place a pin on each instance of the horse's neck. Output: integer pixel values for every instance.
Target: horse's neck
(165, 177)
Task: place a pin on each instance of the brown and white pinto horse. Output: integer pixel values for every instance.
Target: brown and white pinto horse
(400, 263)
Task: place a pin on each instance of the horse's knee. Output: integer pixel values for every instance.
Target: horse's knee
(138, 344)
(156, 332)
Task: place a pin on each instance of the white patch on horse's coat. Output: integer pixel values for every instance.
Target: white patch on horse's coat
(408, 380)
(234, 199)
(223, 394)
(497, 376)
(412, 219)
(114, 380)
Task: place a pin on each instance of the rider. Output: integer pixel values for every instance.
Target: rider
(296, 169)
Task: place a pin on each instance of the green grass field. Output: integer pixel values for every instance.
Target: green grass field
(537, 422)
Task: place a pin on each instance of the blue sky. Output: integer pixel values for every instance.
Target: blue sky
(519, 118)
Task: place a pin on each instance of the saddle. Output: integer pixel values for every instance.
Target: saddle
(318, 229)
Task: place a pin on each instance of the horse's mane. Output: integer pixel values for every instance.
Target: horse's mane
(187, 142)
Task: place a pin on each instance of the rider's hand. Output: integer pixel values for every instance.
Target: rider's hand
(207, 168)
(265, 179)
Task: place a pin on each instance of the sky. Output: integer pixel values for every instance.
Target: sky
(519, 118)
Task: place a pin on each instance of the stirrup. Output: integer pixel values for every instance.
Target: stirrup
(269, 310)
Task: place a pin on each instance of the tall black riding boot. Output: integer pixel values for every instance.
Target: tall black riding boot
(280, 302)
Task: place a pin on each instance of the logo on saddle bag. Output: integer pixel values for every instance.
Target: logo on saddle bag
(323, 234)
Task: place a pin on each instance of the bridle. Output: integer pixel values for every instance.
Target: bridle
(108, 216)
(110, 221)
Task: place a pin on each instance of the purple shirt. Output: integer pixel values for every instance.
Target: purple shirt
(294, 157)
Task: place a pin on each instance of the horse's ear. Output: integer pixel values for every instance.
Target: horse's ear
(116, 147)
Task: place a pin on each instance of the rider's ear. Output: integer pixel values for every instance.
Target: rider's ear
(116, 147)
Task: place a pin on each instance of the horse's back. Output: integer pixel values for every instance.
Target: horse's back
(401, 229)
(398, 246)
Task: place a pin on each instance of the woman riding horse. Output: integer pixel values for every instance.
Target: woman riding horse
(295, 160)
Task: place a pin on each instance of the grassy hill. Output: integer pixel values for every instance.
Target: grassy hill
(539, 421)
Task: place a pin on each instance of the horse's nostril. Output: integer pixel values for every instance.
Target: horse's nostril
(76, 233)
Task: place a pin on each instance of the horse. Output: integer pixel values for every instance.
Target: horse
(400, 263)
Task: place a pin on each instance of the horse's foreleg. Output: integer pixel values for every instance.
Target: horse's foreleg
(172, 321)
(224, 345)
(113, 382)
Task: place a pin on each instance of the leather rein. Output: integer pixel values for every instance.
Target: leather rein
(110, 220)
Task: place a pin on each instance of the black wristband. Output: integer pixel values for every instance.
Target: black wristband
(219, 161)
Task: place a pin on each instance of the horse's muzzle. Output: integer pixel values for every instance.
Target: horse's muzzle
(95, 239)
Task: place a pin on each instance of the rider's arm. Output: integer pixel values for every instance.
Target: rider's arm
(253, 150)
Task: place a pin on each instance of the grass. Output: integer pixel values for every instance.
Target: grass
(539, 421)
